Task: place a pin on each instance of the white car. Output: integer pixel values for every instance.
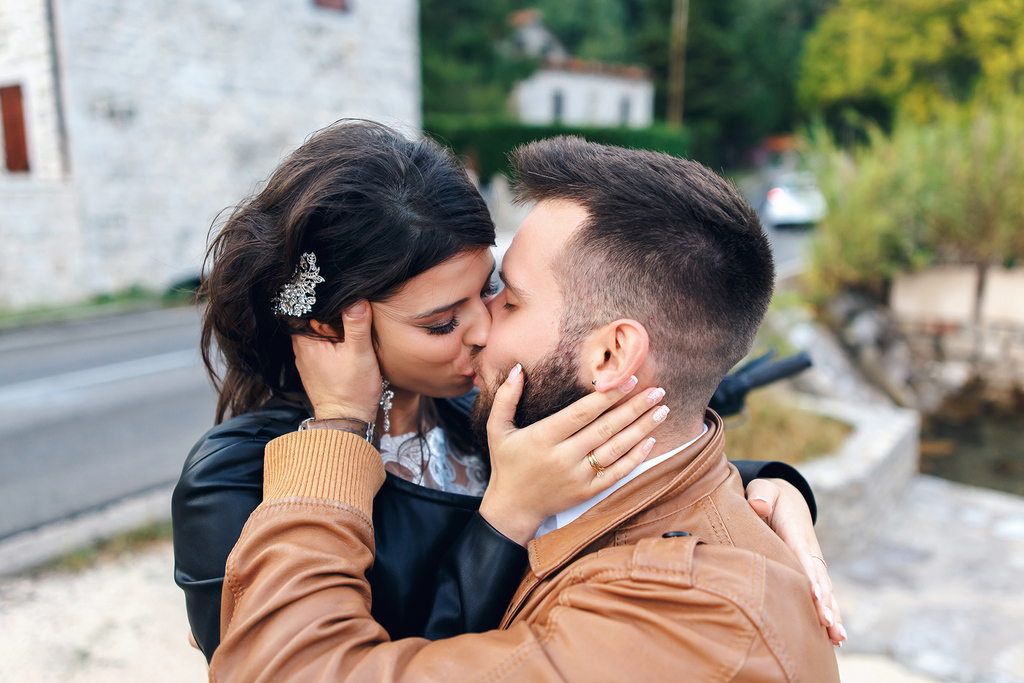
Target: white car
(794, 199)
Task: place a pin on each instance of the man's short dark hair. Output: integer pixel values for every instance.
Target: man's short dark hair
(667, 243)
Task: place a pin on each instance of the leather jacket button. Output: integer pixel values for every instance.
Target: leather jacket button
(674, 534)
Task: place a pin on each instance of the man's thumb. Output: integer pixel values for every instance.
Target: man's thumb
(357, 319)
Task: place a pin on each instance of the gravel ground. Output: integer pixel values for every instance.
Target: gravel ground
(941, 590)
(124, 620)
(121, 620)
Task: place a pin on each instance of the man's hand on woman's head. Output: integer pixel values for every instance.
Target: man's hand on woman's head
(783, 507)
(341, 379)
(547, 468)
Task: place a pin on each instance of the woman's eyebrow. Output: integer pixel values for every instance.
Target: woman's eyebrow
(440, 309)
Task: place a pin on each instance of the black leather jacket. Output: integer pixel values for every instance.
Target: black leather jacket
(440, 569)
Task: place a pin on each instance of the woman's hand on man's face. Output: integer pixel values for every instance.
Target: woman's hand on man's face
(545, 468)
(341, 379)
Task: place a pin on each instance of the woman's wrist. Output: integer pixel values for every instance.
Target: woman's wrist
(361, 428)
(341, 411)
(514, 524)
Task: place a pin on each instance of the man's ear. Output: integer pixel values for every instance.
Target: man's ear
(614, 352)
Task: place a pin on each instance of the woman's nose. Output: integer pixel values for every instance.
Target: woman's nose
(479, 326)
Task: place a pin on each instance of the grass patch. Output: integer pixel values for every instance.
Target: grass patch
(129, 542)
(775, 429)
(131, 300)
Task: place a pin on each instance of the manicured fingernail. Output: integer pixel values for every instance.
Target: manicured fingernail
(817, 592)
(649, 445)
(842, 632)
(765, 500)
(660, 414)
(655, 396)
(628, 385)
(357, 311)
(829, 617)
(516, 369)
(840, 644)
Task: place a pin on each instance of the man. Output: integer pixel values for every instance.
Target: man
(631, 264)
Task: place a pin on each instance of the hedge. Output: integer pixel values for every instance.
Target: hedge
(485, 143)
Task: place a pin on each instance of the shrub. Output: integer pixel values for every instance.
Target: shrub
(485, 143)
(949, 191)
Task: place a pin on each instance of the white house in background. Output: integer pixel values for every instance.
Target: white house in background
(127, 124)
(575, 92)
(578, 93)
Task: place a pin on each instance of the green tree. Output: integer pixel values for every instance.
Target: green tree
(591, 29)
(464, 71)
(742, 61)
(880, 57)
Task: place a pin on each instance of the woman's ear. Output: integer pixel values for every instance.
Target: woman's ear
(325, 330)
(614, 352)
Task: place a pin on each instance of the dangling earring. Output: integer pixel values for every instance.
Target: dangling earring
(385, 402)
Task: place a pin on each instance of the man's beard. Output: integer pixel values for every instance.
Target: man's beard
(552, 383)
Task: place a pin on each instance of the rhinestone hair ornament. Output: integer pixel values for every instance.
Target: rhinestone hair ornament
(298, 296)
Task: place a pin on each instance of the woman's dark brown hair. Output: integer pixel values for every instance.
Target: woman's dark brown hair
(374, 207)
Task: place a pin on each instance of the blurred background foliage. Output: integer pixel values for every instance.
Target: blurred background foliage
(743, 59)
(912, 57)
(925, 100)
(950, 190)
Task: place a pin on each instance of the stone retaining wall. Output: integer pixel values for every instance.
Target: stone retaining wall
(859, 487)
(945, 328)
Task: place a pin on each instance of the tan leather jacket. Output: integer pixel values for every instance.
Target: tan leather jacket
(606, 598)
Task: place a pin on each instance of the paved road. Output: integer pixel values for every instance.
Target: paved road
(789, 244)
(91, 412)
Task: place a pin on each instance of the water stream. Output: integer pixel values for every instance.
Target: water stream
(987, 450)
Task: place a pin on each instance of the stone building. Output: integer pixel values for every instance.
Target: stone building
(127, 126)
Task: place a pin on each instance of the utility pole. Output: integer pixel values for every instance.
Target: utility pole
(677, 62)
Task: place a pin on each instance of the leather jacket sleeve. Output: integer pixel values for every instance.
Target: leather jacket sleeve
(211, 503)
(759, 469)
(476, 581)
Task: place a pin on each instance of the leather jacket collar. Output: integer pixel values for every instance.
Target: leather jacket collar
(682, 479)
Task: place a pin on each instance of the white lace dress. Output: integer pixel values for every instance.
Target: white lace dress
(430, 461)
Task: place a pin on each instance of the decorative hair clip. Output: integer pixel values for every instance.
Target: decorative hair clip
(297, 297)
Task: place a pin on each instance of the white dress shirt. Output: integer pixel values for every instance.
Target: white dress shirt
(569, 516)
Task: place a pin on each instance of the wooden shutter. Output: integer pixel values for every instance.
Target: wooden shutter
(15, 143)
(341, 5)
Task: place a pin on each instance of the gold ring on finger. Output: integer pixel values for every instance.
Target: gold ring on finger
(822, 560)
(595, 464)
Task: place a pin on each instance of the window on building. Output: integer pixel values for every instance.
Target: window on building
(558, 105)
(340, 5)
(624, 111)
(15, 142)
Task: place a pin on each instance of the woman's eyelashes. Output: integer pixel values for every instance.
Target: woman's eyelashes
(487, 293)
(444, 328)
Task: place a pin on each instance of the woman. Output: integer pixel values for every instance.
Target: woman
(360, 213)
